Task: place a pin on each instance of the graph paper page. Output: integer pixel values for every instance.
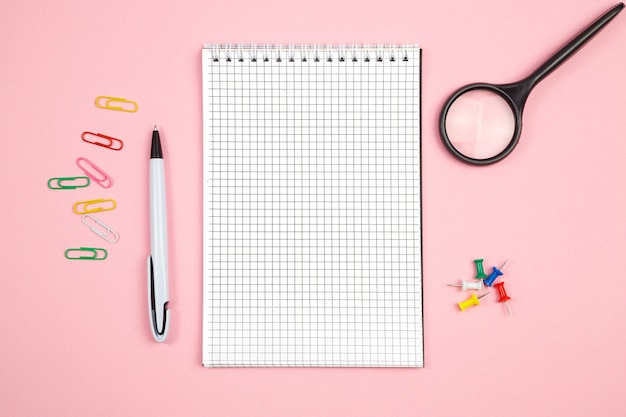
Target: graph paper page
(312, 233)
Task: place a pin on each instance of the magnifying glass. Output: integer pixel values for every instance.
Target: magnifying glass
(481, 123)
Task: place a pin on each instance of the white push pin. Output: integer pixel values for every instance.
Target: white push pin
(470, 285)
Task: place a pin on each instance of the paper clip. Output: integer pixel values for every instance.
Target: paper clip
(83, 207)
(93, 254)
(103, 180)
(110, 103)
(101, 229)
(68, 183)
(110, 143)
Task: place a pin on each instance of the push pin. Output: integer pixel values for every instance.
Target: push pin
(471, 301)
(480, 273)
(469, 285)
(503, 296)
(494, 275)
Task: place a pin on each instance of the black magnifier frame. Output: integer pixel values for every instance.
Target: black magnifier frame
(516, 94)
(516, 103)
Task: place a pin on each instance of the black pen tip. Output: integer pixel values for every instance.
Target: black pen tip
(155, 150)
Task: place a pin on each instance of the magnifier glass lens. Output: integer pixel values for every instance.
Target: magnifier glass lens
(480, 124)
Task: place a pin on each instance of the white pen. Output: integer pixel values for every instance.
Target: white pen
(158, 294)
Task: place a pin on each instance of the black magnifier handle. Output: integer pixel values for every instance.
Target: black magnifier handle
(489, 135)
(519, 91)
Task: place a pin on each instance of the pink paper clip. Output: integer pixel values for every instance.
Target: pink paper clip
(94, 173)
(103, 140)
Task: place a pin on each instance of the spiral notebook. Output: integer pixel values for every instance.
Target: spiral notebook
(312, 207)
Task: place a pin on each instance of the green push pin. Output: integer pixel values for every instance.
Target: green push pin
(480, 273)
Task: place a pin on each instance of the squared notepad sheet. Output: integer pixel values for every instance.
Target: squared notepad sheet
(312, 233)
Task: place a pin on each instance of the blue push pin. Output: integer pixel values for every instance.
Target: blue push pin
(494, 275)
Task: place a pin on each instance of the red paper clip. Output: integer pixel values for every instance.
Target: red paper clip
(102, 179)
(109, 143)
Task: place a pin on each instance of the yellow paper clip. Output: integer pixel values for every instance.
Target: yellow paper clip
(92, 254)
(99, 228)
(83, 207)
(111, 103)
(103, 140)
(96, 174)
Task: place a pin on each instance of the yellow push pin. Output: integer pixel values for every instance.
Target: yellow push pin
(471, 301)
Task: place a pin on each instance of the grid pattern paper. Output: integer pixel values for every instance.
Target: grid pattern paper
(312, 211)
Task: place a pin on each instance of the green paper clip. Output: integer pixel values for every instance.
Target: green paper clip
(94, 254)
(59, 183)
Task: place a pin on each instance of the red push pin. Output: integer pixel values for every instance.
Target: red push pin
(503, 296)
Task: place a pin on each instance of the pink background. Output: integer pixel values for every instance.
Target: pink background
(74, 336)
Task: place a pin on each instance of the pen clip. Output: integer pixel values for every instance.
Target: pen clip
(154, 302)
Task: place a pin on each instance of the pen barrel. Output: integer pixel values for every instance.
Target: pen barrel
(158, 229)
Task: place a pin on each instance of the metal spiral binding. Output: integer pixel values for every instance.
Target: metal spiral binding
(309, 53)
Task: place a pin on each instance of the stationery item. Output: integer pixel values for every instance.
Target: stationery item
(84, 207)
(472, 301)
(84, 253)
(495, 273)
(312, 207)
(481, 123)
(99, 228)
(103, 140)
(158, 293)
(94, 173)
(116, 103)
(469, 285)
(480, 272)
(503, 297)
(68, 183)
